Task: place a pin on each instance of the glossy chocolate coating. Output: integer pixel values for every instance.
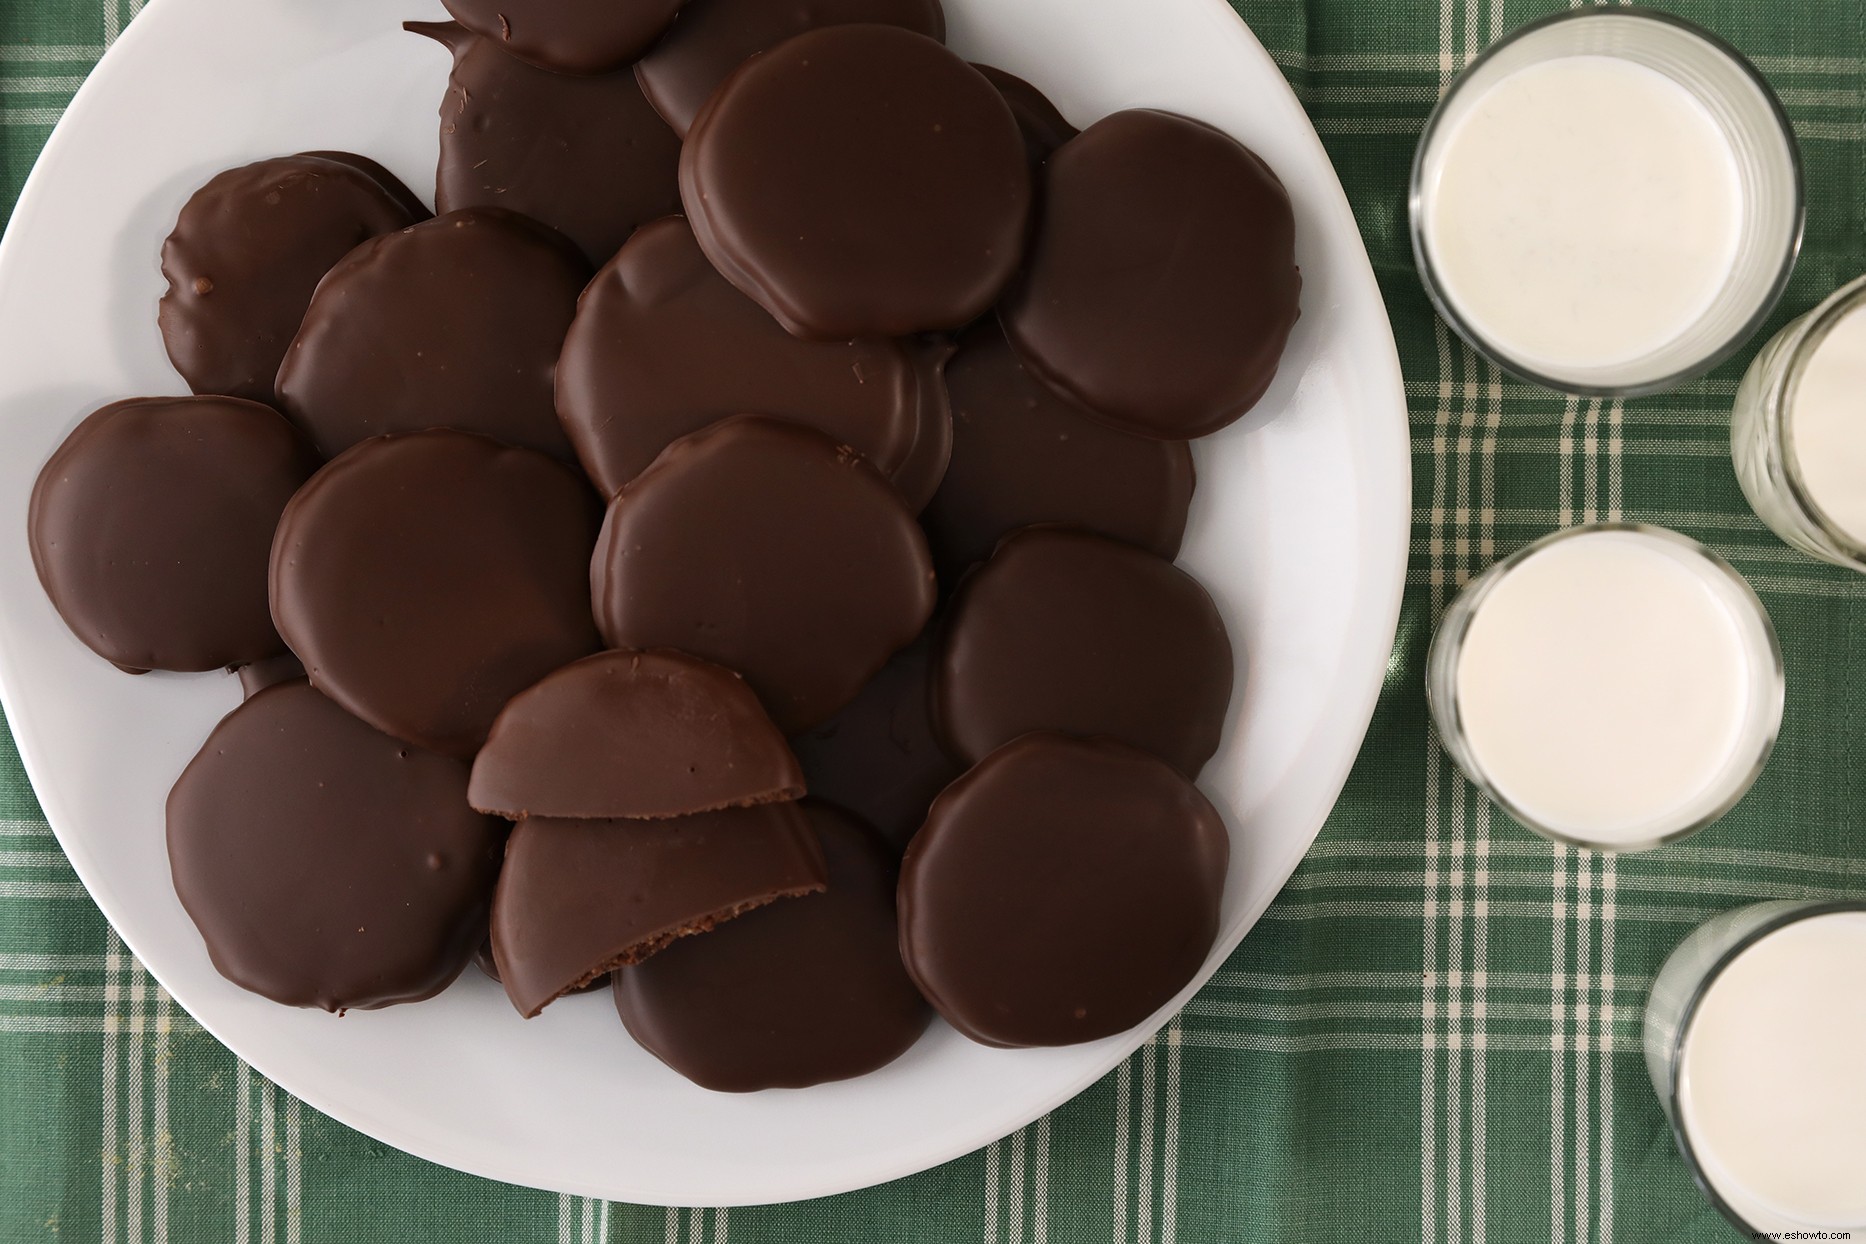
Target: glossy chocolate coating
(397, 188)
(1022, 455)
(483, 960)
(427, 578)
(256, 676)
(879, 756)
(1072, 632)
(580, 898)
(711, 38)
(325, 863)
(791, 995)
(805, 573)
(663, 345)
(454, 323)
(1043, 127)
(585, 155)
(633, 734)
(1162, 284)
(151, 524)
(1062, 891)
(248, 250)
(568, 36)
(860, 181)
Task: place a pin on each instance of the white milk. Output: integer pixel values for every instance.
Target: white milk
(1827, 425)
(1583, 211)
(1606, 687)
(1773, 1088)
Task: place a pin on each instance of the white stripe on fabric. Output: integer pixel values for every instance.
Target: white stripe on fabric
(243, 1158)
(1040, 1185)
(1627, 1042)
(1169, 1179)
(1558, 1098)
(1143, 1165)
(1409, 981)
(268, 1167)
(294, 1171)
(134, 1128)
(992, 1176)
(1123, 1091)
(162, 1157)
(112, 1157)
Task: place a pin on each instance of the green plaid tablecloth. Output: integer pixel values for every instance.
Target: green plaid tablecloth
(1434, 1033)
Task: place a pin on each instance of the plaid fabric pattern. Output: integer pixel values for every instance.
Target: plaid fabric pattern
(1432, 1036)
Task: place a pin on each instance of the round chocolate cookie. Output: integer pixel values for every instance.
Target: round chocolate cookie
(711, 38)
(325, 863)
(454, 323)
(1073, 632)
(633, 734)
(663, 345)
(879, 756)
(585, 155)
(248, 250)
(793, 994)
(427, 578)
(860, 181)
(769, 549)
(568, 36)
(151, 525)
(1062, 891)
(1162, 284)
(580, 898)
(1023, 455)
(1043, 127)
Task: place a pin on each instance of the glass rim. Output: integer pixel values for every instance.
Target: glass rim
(1781, 396)
(1776, 684)
(1428, 276)
(1809, 910)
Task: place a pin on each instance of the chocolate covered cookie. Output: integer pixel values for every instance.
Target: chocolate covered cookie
(860, 181)
(578, 899)
(454, 323)
(585, 155)
(633, 734)
(1068, 631)
(1162, 283)
(1022, 455)
(663, 345)
(1043, 127)
(767, 548)
(1062, 891)
(151, 525)
(711, 38)
(325, 863)
(248, 250)
(793, 994)
(879, 757)
(427, 578)
(568, 36)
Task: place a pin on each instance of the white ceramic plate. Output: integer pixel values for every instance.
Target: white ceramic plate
(1299, 530)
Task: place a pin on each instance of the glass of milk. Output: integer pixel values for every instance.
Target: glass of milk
(1614, 686)
(1798, 430)
(1753, 1043)
(1607, 202)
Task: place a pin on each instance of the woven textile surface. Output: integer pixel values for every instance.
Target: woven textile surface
(1434, 1033)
